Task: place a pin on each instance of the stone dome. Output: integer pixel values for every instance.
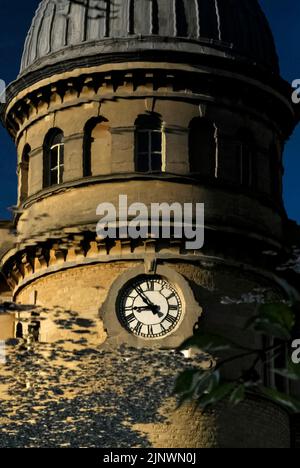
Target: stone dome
(63, 30)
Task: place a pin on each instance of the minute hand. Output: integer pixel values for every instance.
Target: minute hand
(152, 307)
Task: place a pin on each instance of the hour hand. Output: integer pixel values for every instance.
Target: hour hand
(142, 308)
(144, 297)
(154, 309)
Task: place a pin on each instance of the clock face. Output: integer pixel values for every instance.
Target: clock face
(150, 307)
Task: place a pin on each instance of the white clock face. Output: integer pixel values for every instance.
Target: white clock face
(150, 307)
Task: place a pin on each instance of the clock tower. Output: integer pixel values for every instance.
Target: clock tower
(164, 101)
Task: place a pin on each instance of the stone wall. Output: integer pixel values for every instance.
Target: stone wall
(224, 295)
(80, 290)
(253, 424)
(119, 97)
(68, 390)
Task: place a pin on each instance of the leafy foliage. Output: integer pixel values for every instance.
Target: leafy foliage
(281, 398)
(208, 343)
(207, 387)
(275, 320)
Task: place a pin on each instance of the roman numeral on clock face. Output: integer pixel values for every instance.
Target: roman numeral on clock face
(139, 290)
(138, 328)
(170, 296)
(130, 318)
(170, 319)
(150, 285)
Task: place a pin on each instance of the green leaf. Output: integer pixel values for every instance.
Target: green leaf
(208, 343)
(217, 394)
(186, 381)
(282, 399)
(292, 371)
(271, 329)
(237, 395)
(213, 381)
(192, 384)
(279, 313)
(275, 320)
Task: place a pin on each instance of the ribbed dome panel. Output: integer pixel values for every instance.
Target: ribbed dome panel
(239, 25)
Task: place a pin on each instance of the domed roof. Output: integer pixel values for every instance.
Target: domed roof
(62, 29)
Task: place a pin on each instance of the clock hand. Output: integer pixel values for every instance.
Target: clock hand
(145, 298)
(140, 309)
(154, 308)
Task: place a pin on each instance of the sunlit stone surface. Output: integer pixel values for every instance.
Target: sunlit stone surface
(68, 392)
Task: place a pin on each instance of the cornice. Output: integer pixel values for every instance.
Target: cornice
(84, 249)
(266, 94)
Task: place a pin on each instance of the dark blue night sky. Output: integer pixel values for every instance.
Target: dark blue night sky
(16, 16)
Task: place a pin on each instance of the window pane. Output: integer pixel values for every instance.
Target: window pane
(143, 142)
(61, 174)
(57, 139)
(156, 162)
(61, 154)
(54, 157)
(156, 141)
(54, 177)
(143, 163)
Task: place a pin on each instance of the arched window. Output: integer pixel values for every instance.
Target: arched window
(54, 158)
(19, 330)
(148, 143)
(202, 147)
(24, 168)
(246, 159)
(96, 147)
